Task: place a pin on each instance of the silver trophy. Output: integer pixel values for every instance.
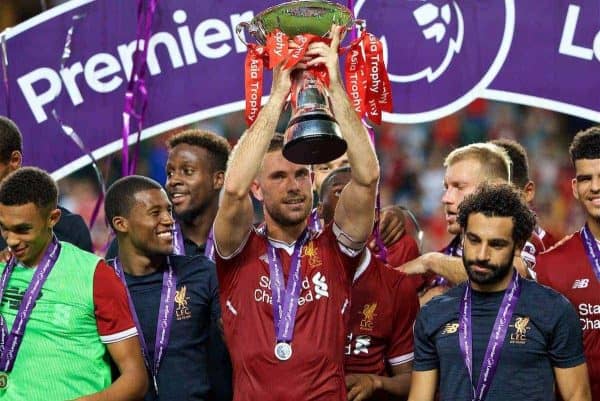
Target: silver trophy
(313, 135)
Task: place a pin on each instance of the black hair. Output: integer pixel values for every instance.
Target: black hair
(10, 139)
(585, 145)
(29, 185)
(120, 197)
(329, 179)
(518, 157)
(217, 147)
(499, 200)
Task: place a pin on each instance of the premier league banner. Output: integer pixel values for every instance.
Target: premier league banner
(71, 65)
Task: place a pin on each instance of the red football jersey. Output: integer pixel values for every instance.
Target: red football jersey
(545, 237)
(566, 268)
(402, 251)
(382, 314)
(315, 370)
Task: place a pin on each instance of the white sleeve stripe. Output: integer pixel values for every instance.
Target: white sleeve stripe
(398, 360)
(237, 251)
(120, 336)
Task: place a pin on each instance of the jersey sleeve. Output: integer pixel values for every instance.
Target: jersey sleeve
(565, 347)
(426, 357)
(402, 251)
(407, 306)
(111, 306)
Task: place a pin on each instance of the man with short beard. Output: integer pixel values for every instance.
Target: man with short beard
(287, 341)
(474, 338)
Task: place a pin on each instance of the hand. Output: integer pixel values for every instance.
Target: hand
(361, 386)
(282, 82)
(391, 224)
(322, 54)
(419, 265)
(5, 255)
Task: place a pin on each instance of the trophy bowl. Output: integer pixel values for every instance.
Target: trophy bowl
(313, 135)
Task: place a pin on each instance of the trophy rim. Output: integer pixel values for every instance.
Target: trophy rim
(257, 26)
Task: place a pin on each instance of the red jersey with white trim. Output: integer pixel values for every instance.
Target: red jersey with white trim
(402, 251)
(382, 315)
(111, 306)
(315, 369)
(566, 268)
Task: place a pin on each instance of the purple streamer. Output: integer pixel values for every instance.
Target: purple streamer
(70, 132)
(5, 70)
(137, 93)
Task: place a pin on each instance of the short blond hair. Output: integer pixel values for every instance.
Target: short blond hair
(494, 159)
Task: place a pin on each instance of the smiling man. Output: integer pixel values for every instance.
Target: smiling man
(174, 299)
(63, 310)
(573, 265)
(471, 340)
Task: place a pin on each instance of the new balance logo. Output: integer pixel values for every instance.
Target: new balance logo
(581, 283)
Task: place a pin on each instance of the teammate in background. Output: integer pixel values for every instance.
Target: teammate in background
(572, 267)
(301, 360)
(382, 314)
(540, 238)
(71, 227)
(497, 336)
(466, 168)
(173, 298)
(62, 308)
(400, 247)
(195, 169)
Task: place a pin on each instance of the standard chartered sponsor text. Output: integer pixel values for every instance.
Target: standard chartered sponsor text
(589, 316)
(105, 72)
(263, 292)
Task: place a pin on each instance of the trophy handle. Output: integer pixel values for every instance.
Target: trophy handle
(239, 29)
(360, 23)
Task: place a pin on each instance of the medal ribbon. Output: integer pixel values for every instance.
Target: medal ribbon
(285, 300)
(496, 341)
(591, 249)
(178, 245)
(10, 343)
(165, 317)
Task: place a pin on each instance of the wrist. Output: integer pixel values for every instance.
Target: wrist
(377, 382)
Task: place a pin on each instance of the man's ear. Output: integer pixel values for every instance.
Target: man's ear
(54, 217)
(218, 179)
(15, 161)
(529, 191)
(256, 190)
(574, 188)
(120, 224)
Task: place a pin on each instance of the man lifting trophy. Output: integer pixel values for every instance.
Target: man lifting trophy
(286, 30)
(284, 285)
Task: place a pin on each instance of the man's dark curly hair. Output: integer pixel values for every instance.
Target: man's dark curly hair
(29, 185)
(585, 145)
(217, 147)
(499, 200)
(518, 157)
(120, 196)
(10, 139)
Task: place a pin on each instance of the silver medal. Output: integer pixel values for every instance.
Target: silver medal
(283, 351)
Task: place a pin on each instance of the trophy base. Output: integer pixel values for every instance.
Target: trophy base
(313, 140)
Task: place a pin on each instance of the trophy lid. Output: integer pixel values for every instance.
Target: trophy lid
(299, 17)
